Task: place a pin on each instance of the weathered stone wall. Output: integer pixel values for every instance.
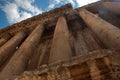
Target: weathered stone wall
(97, 65)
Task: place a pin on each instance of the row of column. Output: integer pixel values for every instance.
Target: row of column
(9, 47)
(19, 60)
(106, 32)
(60, 49)
(113, 6)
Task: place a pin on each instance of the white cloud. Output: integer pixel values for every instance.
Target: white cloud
(72, 2)
(11, 11)
(26, 4)
(85, 2)
(15, 14)
(24, 15)
(19, 10)
(53, 3)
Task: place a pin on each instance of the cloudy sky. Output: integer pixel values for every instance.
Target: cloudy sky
(13, 11)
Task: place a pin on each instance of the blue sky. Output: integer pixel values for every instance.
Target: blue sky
(13, 11)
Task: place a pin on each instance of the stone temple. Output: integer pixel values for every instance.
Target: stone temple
(64, 44)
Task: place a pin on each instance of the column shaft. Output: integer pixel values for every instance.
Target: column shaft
(38, 56)
(113, 6)
(106, 32)
(77, 39)
(19, 61)
(44, 58)
(80, 45)
(61, 45)
(4, 40)
(9, 47)
(90, 40)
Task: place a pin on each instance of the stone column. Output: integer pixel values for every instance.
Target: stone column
(9, 47)
(60, 48)
(77, 38)
(113, 6)
(80, 44)
(4, 39)
(19, 61)
(106, 32)
(91, 42)
(94, 71)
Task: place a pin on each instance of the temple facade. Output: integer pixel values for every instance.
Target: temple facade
(64, 44)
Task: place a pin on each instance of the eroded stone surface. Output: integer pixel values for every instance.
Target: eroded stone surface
(99, 67)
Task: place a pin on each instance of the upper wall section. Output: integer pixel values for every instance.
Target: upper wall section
(50, 18)
(31, 23)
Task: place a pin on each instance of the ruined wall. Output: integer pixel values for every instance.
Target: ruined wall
(97, 65)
